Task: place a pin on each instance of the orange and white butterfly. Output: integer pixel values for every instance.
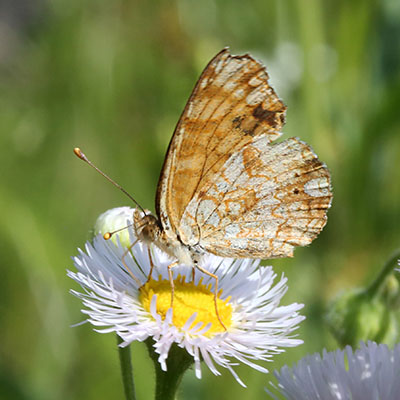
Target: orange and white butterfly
(225, 188)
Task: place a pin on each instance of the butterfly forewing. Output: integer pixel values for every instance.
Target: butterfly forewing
(224, 186)
(231, 104)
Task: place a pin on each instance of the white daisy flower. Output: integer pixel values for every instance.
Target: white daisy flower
(370, 373)
(123, 299)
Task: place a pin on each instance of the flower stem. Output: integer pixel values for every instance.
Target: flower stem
(126, 370)
(167, 382)
(386, 271)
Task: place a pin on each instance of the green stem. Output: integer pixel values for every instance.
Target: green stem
(386, 271)
(167, 382)
(126, 370)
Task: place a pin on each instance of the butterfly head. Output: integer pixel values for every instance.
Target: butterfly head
(147, 227)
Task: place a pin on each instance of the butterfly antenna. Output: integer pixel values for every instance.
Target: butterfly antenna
(108, 235)
(79, 154)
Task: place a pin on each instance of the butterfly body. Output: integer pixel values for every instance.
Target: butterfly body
(148, 228)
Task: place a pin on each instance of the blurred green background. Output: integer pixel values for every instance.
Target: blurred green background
(113, 77)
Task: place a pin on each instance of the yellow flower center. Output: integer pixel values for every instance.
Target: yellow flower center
(188, 299)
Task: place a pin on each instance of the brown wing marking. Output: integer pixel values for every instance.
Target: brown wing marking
(230, 105)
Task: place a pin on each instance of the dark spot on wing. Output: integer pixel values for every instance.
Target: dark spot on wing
(264, 115)
(237, 121)
(313, 164)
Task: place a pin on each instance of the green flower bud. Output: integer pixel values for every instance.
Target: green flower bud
(392, 291)
(113, 220)
(368, 314)
(356, 315)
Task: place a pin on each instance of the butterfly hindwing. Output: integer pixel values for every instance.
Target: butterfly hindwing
(265, 200)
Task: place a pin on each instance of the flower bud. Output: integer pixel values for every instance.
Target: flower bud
(392, 291)
(356, 315)
(113, 220)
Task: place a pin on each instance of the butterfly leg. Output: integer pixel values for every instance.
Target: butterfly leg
(196, 259)
(124, 263)
(151, 265)
(171, 280)
(215, 292)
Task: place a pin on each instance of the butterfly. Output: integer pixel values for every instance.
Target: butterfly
(226, 187)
